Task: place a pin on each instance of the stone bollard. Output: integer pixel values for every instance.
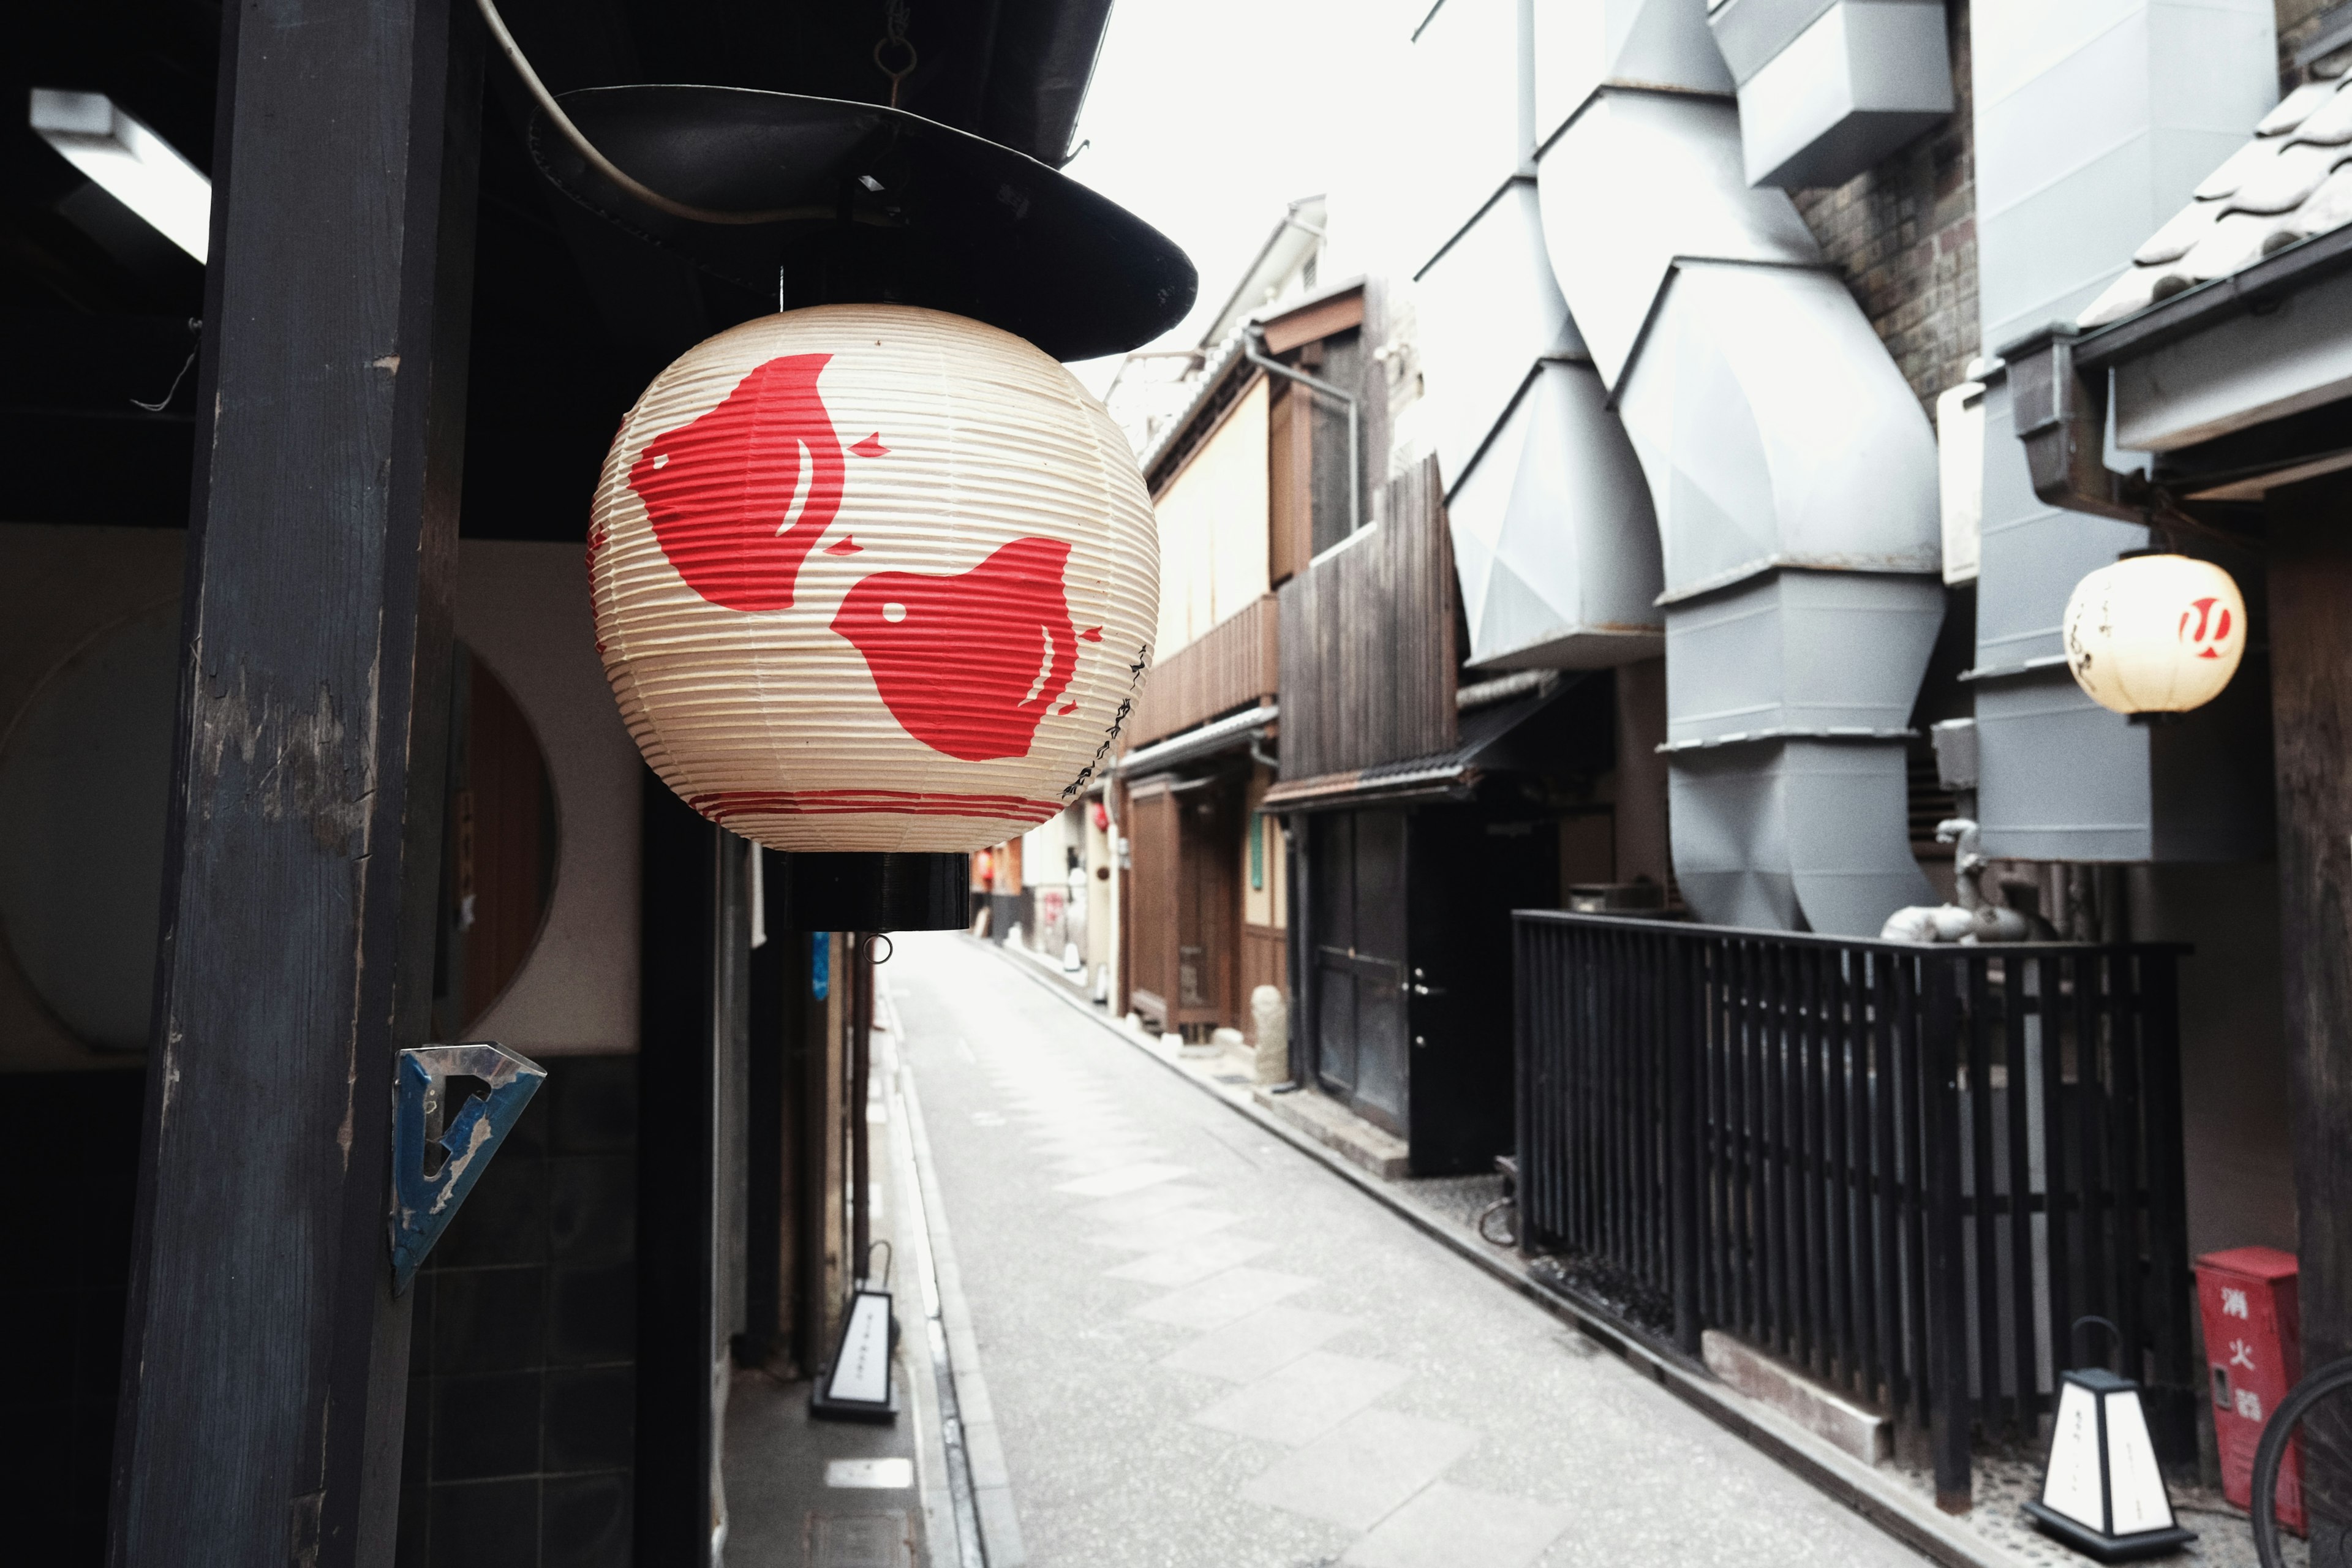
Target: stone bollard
(1270, 1016)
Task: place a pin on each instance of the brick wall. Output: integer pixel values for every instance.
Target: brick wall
(1905, 233)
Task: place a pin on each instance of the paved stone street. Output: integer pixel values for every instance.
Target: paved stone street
(1197, 1346)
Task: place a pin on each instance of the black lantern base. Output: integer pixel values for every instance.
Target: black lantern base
(877, 892)
(2107, 1548)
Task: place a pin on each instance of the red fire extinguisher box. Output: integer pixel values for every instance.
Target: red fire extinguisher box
(2253, 1351)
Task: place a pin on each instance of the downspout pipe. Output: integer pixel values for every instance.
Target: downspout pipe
(1254, 350)
(2061, 417)
(2059, 408)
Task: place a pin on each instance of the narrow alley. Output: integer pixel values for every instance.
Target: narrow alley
(1197, 1346)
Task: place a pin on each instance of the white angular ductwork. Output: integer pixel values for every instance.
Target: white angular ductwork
(1554, 541)
(1827, 88)
(1792, 472)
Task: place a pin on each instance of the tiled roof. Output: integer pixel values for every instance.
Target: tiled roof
(2292, 181)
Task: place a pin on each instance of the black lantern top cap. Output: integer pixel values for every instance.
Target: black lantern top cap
(865, 204)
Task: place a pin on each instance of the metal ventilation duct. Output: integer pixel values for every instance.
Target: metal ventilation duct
(1827, 88)
(1793, 475)
(1553, 536)
(1554, 540)
(2092, 125)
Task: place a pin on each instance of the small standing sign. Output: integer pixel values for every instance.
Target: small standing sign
(2103, 1493)
(858, 1385)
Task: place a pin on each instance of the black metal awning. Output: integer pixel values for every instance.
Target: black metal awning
(1485, 746)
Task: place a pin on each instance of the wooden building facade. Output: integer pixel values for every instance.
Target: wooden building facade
(1249, 484)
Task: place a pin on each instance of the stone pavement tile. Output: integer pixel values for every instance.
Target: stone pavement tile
(1122, 1179)
(1077, 1122)
(1154, 1233)
(1304, 1399)
(1141, 1205)
(1107, 1158)
(1221, 1298)
(1191, 1260)
(1357, 1473)
(1084, 1101)
(1095, 1132)
(1248, 1348)
(1447, 1526)
(1061, 1148)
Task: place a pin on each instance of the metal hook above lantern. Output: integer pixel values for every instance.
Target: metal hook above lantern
(874, 578)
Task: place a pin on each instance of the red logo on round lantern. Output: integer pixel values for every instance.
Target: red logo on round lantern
(968, 664)
(2204, 625)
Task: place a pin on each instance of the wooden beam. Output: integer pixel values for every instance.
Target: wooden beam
(1312, 322)
(2309, 582)
(265, 1358)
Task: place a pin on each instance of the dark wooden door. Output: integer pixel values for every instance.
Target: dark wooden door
(1359, 915)
(1331, 870)
(1208, 910)
(1152, 886)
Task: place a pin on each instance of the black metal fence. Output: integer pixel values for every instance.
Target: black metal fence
(1906, 1169)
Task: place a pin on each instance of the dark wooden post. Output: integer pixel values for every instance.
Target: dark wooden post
(771, 1102)
(1677, 961)
(2310, 582)
(861, 1053)
(265, 1359)
(2172, 1287)
(694, 1012)
(1948, 1411)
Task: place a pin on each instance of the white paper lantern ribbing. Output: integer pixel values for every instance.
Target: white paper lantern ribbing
(2155, 633)
(873, 578)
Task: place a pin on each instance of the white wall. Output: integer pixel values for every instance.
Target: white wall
(1213, 528)
(523, 609)
(66, 593)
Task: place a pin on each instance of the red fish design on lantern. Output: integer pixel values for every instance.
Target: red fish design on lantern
(739, 497)
(969, 663)
(873, 579)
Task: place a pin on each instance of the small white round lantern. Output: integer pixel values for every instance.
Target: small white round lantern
(873, 578)
(2155, 633)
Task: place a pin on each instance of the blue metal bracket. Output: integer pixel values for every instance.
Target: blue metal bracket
(424, 1201)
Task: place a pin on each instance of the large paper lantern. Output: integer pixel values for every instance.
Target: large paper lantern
(2155, 633)
(873, 578)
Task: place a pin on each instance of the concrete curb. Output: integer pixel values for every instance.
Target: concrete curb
(987, 1525)
(1913, 1520)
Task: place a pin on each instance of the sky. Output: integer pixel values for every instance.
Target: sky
(1207, 118)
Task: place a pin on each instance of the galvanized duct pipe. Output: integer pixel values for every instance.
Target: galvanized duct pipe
(1791, 470)
(1553, 540)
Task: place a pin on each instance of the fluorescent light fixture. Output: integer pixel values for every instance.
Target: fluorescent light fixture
(129, 162)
